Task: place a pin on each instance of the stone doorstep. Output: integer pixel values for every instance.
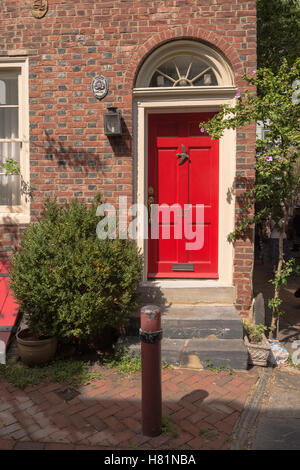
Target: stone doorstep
(197, 353)
(185, 321)
(179, 292)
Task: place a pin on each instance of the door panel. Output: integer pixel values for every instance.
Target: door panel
(183, 186)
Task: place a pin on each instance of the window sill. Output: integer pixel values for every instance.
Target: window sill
(14, 218)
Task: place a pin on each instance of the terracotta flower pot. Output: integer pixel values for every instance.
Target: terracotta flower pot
(35, 351)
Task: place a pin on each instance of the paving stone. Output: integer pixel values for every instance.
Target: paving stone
(41, 419)
(279, 434)
(114, 423)
(58, 435)
(50, 388)
(7, 418)
(91, 410)
(24, 419)
(223, 426)
(196, 443)
(219, 406)
(5, 405)
(9, 429)
(37, 397)
(29, 446)
(32, 428)
(118, 438)
(41, 433)
(58, 446)
(82, 447)
(196, 417)
(218, 442)
(284, 404)
(60, 420)
(97, 423)
(19, 434)
(99, 437)
(75, 408)
(287, 380)
(7, 444)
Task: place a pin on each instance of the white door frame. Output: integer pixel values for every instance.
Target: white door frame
(199, 99)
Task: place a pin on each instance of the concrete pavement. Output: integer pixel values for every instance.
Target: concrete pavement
(271, 416)
(278, 424)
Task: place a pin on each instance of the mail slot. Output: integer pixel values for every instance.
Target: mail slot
(183, 267)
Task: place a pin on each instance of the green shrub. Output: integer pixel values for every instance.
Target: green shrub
(68, 282)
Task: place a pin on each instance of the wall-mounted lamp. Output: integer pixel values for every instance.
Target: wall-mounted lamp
(112, 122)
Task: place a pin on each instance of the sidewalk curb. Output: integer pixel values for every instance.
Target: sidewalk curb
(250, 413)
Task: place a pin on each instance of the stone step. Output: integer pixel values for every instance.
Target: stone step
(176, 292)
(197, 353)
(186, 321)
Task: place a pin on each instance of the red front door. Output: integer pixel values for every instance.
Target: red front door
(183, 173)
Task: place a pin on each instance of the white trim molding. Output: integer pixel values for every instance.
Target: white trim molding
(187, 92)
(145, 105)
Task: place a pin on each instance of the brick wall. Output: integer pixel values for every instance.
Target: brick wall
(69, 155)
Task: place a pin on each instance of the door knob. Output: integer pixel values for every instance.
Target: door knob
(150, 201)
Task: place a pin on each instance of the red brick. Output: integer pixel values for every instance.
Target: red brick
(11, 428)
(225, 427)
(29, 446)
(196, 443)
(7, 418)
(7, 444)
(58, 446)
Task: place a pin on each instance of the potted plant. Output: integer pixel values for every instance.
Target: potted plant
(69, 283)
(35, 350)
(257, 343)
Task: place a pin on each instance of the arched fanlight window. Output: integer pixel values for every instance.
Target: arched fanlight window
(184, 63)
(183, 70)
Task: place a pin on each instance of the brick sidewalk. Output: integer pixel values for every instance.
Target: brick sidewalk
(202, 408)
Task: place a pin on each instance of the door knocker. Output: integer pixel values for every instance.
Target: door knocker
(183, 155)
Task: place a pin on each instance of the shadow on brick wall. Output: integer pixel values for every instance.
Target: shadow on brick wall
(80, 158)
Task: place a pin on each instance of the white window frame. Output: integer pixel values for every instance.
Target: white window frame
(19, 214)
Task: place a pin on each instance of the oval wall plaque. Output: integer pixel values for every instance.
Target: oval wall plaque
(99, 86)
(39, 8)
